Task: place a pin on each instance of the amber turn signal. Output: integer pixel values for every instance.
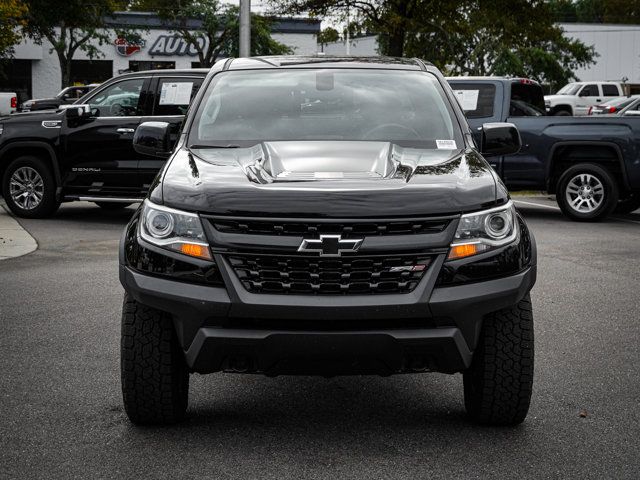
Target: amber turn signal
(195, 250)
(461, 251)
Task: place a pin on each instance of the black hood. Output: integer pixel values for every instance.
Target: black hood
(329, 179)
(36, 115)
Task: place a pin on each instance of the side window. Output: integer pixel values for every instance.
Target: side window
(610, 90)
(174, 95)
(590, 91)
(121, 99)
(476, 99)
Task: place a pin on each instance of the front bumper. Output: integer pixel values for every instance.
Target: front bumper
(231, 329)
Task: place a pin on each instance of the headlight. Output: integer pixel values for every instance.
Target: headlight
(174, 230)
(482, 231)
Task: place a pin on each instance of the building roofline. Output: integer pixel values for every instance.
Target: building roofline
(150, 20)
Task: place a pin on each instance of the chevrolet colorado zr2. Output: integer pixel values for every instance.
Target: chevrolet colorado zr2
(326, 216)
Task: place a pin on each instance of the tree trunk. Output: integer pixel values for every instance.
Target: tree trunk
(396, 43)
(65, 70)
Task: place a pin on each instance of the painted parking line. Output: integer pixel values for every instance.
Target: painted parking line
(553, 207)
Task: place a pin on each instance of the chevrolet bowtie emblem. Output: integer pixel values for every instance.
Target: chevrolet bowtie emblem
(329, 245)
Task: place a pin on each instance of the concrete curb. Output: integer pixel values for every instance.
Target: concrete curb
(15, 241)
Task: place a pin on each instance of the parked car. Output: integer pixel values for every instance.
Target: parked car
(632, 109)
(67, 96)
(576, 98)
(85, 151)
(589, 163)
(612, 106)
(8, 103)
(326, 216)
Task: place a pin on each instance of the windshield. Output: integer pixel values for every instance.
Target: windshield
(246, 107)
(569, 89)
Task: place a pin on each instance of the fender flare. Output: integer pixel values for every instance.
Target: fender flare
(587, 143)
(35, 144)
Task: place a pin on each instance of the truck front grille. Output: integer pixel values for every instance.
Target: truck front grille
(303, 227)
(303, 275)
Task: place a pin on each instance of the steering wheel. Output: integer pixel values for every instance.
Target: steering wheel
(115, 110)
(396, 126)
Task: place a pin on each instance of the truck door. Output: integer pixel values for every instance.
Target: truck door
(482, 103)
(171, 96)
(99, 159)
(588, 96)
(527, 111)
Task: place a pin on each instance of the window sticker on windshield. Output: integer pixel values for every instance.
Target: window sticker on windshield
(176, 93)
(446, 144)
(468, 99)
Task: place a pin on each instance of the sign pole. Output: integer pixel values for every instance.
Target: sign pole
(245, 28)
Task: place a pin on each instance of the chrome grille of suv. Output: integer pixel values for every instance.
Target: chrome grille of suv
(352, 275)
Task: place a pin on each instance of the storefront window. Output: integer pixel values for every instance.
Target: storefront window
(141, 65)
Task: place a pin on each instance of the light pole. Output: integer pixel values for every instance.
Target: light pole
(245, 28)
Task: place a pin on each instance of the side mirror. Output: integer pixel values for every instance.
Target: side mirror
(500, 139)
(584, 93)
(152, 138)
(77, 112)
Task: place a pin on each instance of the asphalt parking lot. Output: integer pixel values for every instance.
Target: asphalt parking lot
(61, 414)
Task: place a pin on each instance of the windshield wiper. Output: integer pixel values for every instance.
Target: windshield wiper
(230, 145)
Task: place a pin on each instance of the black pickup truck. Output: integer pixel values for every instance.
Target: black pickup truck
(591, 164)
(85, 151)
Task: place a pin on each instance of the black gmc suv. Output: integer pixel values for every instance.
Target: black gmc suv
(85, 151)
(326, 216)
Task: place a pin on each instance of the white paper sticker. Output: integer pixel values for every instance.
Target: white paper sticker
(446, 144)
(468, 99)
(176, 93)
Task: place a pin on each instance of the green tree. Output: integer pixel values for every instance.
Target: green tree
(479, 37)
(219, 33)
(328, 35)
(391, 19)
(490, 38)
(70, 26)
(12, 13)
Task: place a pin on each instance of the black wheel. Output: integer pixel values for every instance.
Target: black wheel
(497, 387)
(562, 113)
(112, 205)
(29, 188)
(587, 192)
(629, 204)
(155, 378)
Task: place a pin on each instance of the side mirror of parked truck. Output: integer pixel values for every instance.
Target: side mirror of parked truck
(77, 112)
(500, 139)
(152, 138)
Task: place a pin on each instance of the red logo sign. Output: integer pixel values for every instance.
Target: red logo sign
(126, 48)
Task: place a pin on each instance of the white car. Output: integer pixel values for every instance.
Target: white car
(8, 103)
(576, 98)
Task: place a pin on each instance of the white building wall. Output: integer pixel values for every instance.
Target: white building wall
(617, 45)
(362, 47)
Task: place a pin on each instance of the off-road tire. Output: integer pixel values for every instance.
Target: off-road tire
(112, 205)
(629, 204)
(48, 205)
(155, 378)
(609, 201)
(498, 386)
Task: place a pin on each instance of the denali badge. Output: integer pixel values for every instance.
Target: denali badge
(329, 245)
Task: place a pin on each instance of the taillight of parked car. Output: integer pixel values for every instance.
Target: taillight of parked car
(590, 111)
(14, 102)
(612, 110)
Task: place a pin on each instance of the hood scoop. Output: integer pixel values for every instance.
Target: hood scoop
(317, 161)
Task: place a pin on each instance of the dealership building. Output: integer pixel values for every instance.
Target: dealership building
(34, 72)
